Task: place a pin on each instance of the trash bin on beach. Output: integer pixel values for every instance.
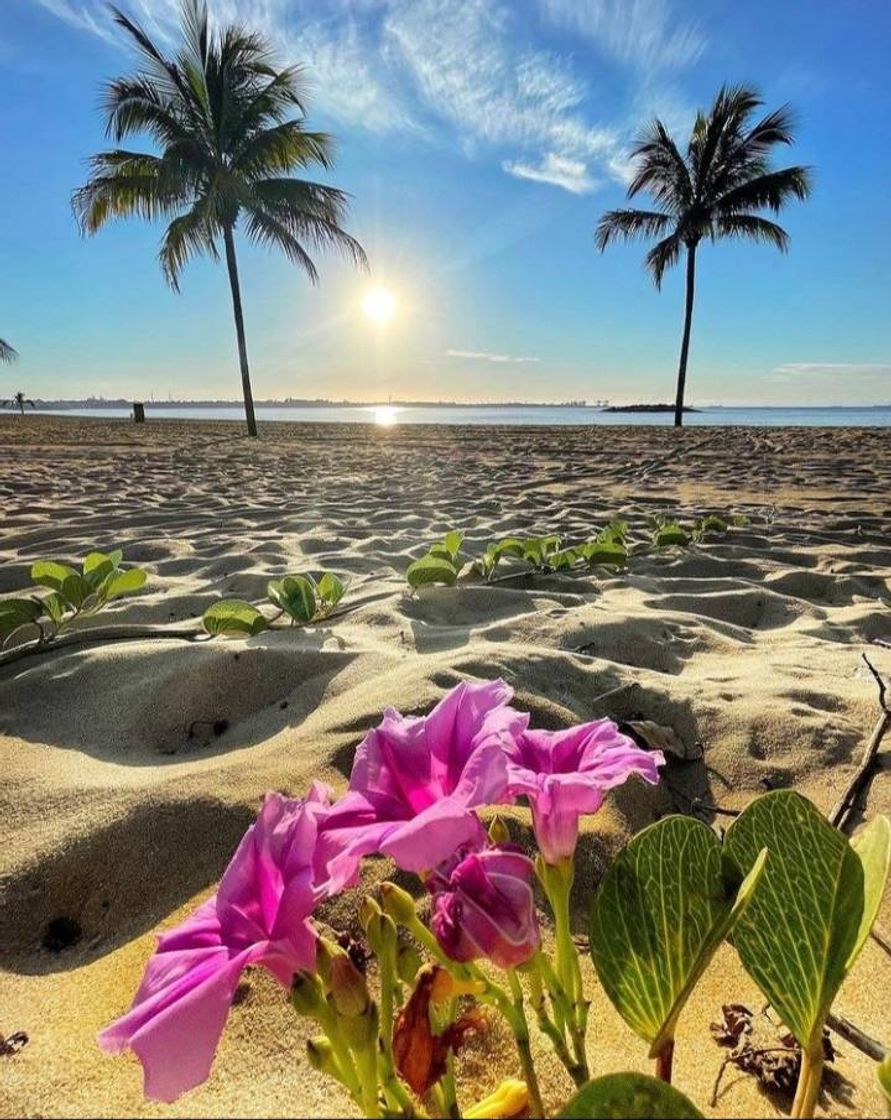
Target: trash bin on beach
(138, 412)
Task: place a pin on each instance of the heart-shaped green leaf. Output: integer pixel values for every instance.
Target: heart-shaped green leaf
(662, 909)
(55, 606)
(563, 559)
(99, 565)
(453, 541)
(330, 589)
(233, 616)
(18, 612)
(510, 546)
(670, 533)
(121, 583)
(296, 596)
(813, 907)
(605, 552)
(431, 569)
(629, 1096)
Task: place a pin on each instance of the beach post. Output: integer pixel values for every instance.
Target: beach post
(138, 412)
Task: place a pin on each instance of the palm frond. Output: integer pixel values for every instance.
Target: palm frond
(771, 190)
(662, 256)
(312, 212)
(660, 169)
(264, 228)
(628, 224)
(7, 352)
(126, 184)
(187, 236)
(283, 147)
(753, 227)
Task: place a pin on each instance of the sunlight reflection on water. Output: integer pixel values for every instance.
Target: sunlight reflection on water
(386, 415)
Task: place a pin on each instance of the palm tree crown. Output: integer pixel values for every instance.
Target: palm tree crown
(7, 353)
(229, 128)
(715, 189)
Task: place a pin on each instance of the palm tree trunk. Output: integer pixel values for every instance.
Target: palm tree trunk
(232, 265)
(685, 342)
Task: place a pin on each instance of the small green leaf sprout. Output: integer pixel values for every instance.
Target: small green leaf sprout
(72, 594)
(299, 597)
(440, 564)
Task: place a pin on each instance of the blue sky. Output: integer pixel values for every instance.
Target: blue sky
(481, 139)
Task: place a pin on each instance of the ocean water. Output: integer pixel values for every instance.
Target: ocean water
(390, 415)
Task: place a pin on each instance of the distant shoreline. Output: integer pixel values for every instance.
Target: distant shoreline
(648, 408)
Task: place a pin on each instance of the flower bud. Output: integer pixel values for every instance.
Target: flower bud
(483, 906)
(349, 992)
(326, 951)
(368, 911)
(306, 994)
(509, 1099)
(398, 904)
(321, 1057)
(408, 962)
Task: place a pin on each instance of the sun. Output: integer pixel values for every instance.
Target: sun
(378, 305)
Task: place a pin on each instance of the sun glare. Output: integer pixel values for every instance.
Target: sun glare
(385, 415)
(378, 305)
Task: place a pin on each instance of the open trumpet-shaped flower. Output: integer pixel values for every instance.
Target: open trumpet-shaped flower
(259, 915)
(483, 906)
(566, 774)
(417, 780)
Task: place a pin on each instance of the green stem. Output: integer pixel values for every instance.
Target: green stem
(515, 1014)
(557, 882)
(343, 1055)
(809, 1079)
(547, 1025)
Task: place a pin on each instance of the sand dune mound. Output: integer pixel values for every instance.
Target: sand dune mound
(131, 768)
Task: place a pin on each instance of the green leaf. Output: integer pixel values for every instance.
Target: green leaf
(629, 1096)
(441, 553)
(884, 1072)
(233, 616)
(295, 595)
(565, 558)
(431, 569)
(17, 612)
(121, 583)
(330, 589)
(453, 541)
(813, 907)
(662, 909)
(605, 552)
(713, 524)
(510, 546)
(670, 533)
(617, 530)
(98, 566)
(55, 606)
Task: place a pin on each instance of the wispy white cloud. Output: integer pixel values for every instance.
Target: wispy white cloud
(461, 72)
(558, 171)
(84, 17)
(487, 356)
(834, 369)
(643, 33)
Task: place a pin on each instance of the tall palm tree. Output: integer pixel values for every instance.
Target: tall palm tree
(713, 191)
(223, 118)
(7, 353)
(19, 400)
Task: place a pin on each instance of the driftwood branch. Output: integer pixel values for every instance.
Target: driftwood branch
(845, 1029)
(841, 814)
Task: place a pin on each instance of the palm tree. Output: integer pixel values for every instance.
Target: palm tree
(713, 191)
(222, 116)
(19, 401)
(7, 353)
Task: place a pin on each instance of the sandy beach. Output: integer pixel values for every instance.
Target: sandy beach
(120, 803)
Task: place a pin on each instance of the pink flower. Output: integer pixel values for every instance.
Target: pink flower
(566, 774)
(259, 915)
(417, 780)
(483, 906)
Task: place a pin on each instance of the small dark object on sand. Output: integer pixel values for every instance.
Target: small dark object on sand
(61, 933)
